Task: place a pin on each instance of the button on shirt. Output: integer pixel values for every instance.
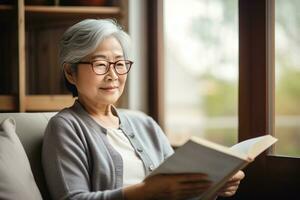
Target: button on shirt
(133, 168)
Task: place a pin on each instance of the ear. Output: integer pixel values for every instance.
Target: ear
(69, 74)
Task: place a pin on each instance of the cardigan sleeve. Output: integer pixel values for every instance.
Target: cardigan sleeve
(66, 166)
(167, 150)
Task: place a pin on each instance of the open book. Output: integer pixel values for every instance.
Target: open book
(218, 162)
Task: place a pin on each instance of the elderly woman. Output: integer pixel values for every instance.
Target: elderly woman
(92, 150)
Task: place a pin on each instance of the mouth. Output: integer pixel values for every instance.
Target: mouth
(109, 88)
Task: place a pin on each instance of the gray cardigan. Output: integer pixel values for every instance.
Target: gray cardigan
(79, 162)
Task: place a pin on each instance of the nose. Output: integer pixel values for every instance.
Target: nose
(112, 74)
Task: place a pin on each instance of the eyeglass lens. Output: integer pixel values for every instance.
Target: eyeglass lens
(102, 66)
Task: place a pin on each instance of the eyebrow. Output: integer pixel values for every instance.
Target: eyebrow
(105, 57)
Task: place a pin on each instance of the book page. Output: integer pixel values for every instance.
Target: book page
(219, 147)
(253, 147)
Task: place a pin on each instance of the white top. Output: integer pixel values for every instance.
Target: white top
(133, 168)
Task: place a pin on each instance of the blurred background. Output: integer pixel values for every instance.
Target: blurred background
(201, 54)
(197, 44)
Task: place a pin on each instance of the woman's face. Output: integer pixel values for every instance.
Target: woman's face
(106, 88)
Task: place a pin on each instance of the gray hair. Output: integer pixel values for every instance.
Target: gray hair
(84, 37)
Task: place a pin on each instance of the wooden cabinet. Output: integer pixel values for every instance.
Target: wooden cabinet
(30, 75)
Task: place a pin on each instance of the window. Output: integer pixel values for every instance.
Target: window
(201, 70)
(256, 50)
(287, 69)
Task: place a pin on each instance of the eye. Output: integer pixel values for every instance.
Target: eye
(100, 63)
(120, 64)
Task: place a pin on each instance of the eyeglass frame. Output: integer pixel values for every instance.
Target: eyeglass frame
(109, 64)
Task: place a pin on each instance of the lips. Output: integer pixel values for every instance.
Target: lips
(109, 87)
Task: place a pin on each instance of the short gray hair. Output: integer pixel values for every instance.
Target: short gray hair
(84, 37)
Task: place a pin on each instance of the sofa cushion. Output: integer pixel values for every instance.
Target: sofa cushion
(16, 179)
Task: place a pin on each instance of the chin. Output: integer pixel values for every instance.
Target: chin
(110, 100)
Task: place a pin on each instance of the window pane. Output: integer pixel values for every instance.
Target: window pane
(287, 66)
(201, 77)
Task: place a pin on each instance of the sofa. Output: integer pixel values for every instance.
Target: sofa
(29, 127)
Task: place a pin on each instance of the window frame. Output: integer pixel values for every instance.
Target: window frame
(270, 176)
(155, 30)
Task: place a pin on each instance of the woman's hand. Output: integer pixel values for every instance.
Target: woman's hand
(232, 185)
(171, 187)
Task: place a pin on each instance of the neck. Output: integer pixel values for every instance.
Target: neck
(96, 109)
(101, 113)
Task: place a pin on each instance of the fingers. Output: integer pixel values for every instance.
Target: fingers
(232, 185)
(195, 182)
(194, 187)
(190, 182)
(229, 189)
(178, 186)
(237, 177)
(187, 195)
(191, 185)
(228, 193)
(192, 192)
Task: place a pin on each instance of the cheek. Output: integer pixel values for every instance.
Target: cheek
(87, 81)
(122, 81)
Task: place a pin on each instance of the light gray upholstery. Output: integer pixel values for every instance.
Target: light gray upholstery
(30, 129)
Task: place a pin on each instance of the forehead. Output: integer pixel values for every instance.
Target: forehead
(109, 44)
(109, 48)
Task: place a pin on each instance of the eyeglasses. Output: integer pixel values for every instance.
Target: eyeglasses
(101, 67)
